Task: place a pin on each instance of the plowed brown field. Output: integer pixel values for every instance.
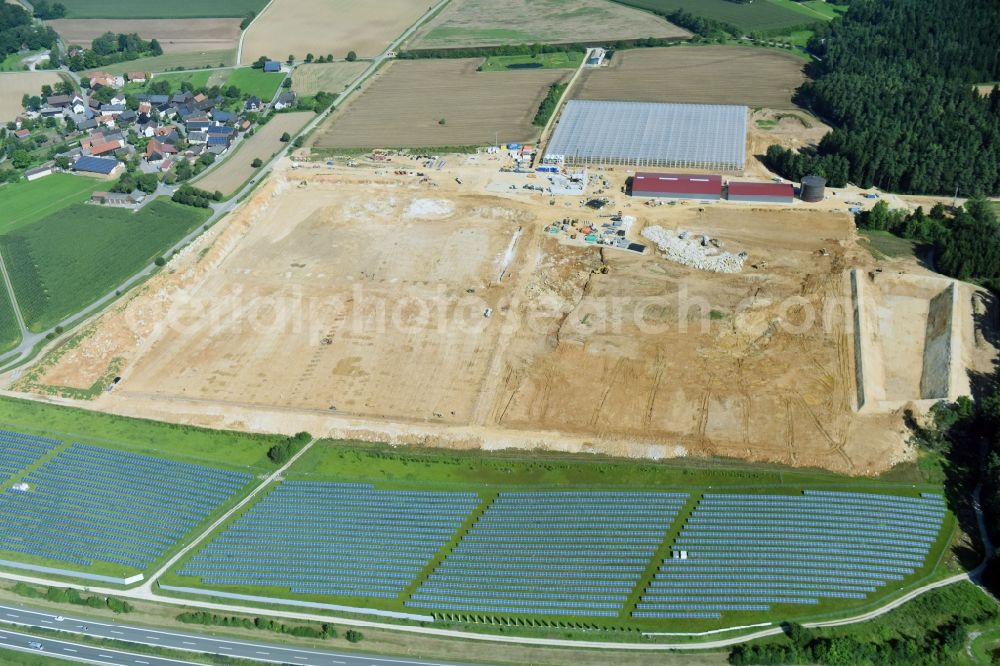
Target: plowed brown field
(405, 105)
(697, 75)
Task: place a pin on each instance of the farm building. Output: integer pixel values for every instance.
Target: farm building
(272, 66)
(695, 136)
(761, 192)
(103, 166)
(677, 186)
(38, 172)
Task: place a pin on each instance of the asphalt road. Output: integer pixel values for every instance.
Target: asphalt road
(264, 652)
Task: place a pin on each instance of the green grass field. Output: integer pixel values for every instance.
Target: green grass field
(884, 245)
(10, 333)
(560, 60)
(25, 203)
(758, 16)
(217, 448)
(256, 82)
(127, 9)
(175, 61)
(67, 260)
(441, 470)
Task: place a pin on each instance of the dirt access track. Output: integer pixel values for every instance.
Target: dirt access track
(174, 35)
(350, 303)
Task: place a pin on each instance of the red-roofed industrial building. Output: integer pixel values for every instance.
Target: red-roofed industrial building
(677, 186)
(761, 192)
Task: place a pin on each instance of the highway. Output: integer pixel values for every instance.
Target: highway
(187, 642)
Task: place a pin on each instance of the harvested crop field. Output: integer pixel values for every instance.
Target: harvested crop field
(13, 85)
(326, 27)
(405, 105)
(697, 74)
(236, 169)
(328, 77)
(486, 23)
(175, 36)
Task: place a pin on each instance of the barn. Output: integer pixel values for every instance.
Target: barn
(646, 134)
(761, 192)
(677, 186)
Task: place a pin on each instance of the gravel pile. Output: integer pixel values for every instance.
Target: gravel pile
(689, 251)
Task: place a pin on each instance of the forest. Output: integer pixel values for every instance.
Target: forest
(17, 30)
(895, 79)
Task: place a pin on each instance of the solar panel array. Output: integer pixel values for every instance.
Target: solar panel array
(700, 136)
(334, 538)
(18, 451)
(554, 553)
(748, 552)
(91, 504)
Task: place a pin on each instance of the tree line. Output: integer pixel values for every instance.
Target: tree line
(965, 241)
(895, 79)
(18, 30)
(111, 48)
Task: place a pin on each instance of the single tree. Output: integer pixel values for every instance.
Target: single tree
(351, 56)
(257, 163)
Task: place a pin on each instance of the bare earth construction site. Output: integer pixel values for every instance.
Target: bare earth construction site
(352, 302)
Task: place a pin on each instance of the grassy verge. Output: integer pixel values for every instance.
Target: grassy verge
(217, 448)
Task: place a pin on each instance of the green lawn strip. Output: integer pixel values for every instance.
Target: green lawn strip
(64, 262)
(884, 245)
(171, 62)
(221, 449)
(125, 646)
(485, 500)
(256, 82)
(558, 60)
(753, 17)
(664, 552)
(26, 202)
(18, 658)
(129, 9)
